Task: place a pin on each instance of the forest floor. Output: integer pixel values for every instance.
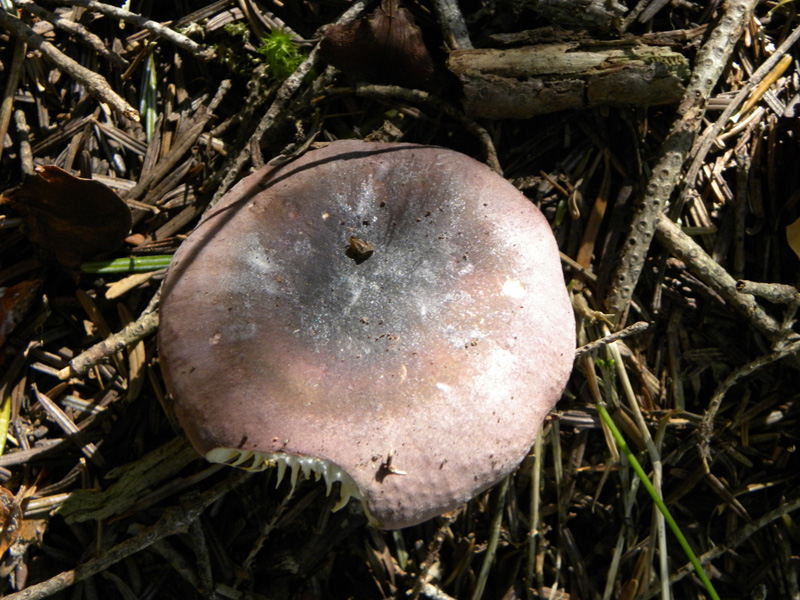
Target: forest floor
(675, 219)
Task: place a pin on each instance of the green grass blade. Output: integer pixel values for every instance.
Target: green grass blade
(134, 264)
(623, 445)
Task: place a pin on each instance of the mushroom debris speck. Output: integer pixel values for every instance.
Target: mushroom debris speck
(392, 317)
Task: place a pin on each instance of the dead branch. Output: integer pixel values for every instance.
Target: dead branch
(519, 83)
(76, 29)
(711, 61)
(168, 34)
(145, 325)
(712, 274)
(94, 83)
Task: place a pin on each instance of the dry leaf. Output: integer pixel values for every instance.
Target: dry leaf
(71, 218)
(10, 518)
(15, 301)
(384, 47)
(793, 237)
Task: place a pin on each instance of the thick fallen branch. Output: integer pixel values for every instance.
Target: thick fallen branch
(519, 83)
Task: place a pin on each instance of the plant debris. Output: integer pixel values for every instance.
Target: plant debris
(676, 224)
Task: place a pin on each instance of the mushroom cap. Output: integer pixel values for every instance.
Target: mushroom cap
(422, 369)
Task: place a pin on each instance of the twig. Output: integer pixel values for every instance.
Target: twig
(533, 574)
(145, 325)
(285, 93)
(10, 89)
(736, 539)
(431, 555)
(712, 274)
(171, 35)
(94, 83)
(707, 424)
(704, 144)
(453, 25)
(75, 29)
(68, 426)
(174, 521)
(24, 132)
(205, 576)
(630, 330)
(393, 92)
(22, 457)
(779, 293)
(434, 593)
(711, 61)
(494, 537)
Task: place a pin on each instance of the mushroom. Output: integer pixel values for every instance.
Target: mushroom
(389, 316)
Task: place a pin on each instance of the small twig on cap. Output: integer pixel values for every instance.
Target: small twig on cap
(94, 83)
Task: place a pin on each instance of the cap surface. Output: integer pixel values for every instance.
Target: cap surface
(422, 364)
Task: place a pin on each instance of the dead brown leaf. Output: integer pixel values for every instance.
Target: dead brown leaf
(72, 219)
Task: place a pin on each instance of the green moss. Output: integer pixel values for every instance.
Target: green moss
(277, 52)
(281, 54)
(238, 30)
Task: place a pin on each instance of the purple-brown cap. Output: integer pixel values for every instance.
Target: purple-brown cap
(391, 316)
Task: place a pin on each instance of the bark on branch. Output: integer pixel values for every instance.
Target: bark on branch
(519, 83)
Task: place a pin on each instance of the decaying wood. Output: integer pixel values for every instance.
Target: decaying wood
(519, 83)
